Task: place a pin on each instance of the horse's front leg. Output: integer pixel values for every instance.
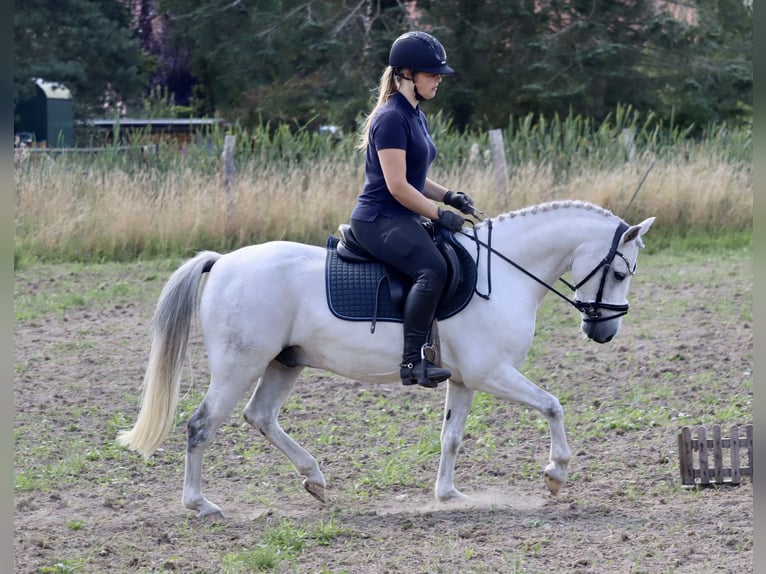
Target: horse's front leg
(513, 386)
(456, 408)
(555, 474)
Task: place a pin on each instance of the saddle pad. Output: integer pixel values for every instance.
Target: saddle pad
(360, 291)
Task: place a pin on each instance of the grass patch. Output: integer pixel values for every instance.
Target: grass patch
(59, 289)
(63, 567)
(668, 239)
(282, 543)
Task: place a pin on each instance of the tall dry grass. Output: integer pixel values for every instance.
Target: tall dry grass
(695, 196)
(77, 209)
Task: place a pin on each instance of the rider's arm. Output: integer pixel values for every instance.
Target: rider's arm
(394, 165)
(435, 191)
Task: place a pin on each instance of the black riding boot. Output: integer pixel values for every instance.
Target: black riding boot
(419, 311)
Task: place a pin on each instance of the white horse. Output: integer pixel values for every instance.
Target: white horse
(264, 317)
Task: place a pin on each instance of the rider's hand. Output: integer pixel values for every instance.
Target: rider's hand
(459, 200)
(450, 220)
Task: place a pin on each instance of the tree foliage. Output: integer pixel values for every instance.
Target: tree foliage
(294, 61)
(550, 57)
(713, 81)
(87, 45)
(307, 62)
(283, 60)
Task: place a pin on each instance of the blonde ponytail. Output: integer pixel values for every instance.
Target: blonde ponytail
(389, 85)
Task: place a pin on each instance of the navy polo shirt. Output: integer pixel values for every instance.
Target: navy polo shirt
(396, 125)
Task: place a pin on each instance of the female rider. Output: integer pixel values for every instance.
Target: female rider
(397, 192)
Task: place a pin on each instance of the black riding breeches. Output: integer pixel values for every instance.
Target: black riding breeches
(402, 243)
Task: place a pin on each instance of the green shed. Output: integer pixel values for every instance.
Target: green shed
(47, 115)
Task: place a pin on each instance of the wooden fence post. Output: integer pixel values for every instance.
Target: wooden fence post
(499, 165)
(686, 455)
(703, 450)
(734, 442)
(229, 177)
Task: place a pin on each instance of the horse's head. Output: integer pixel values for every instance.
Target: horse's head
(602, 271)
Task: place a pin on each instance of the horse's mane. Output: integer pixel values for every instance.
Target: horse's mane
(551, 206)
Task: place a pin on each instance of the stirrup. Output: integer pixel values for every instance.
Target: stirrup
(423, 373)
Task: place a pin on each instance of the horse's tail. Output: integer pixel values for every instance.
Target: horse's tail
(176, 308)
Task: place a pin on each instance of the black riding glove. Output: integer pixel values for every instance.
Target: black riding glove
(459, 200)
(450, 220)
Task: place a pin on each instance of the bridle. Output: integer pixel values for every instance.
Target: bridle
(592, 309)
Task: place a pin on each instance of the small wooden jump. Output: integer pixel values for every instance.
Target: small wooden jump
(701, 473)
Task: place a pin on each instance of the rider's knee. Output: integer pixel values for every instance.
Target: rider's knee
(432, 278)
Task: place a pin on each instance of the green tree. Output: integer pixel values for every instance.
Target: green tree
(319, 61)
(516, 57)
(520, 56)
(87, 45)
(712, 80)
(290, 61)
(293, 61)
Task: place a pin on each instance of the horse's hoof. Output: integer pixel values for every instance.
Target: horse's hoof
(314, 489)
(453, 495)
(212, 516)
(554, 484)
(211, 513)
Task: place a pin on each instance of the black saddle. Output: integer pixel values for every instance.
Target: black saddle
(362, 288)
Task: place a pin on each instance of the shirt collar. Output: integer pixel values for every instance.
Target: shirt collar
(404, 104)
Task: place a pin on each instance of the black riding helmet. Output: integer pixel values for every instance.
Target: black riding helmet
(420, 52)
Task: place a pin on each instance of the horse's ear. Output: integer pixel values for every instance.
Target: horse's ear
(636, 231)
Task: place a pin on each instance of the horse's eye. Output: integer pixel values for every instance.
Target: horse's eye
(619, 275)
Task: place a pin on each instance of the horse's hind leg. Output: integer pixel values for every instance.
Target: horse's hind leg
(221, 398)
(456, 408)
(262, 413)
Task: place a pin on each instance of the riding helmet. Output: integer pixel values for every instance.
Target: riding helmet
(420, 52)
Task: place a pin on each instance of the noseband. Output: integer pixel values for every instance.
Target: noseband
(592, 309)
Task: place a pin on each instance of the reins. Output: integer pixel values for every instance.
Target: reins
(590, 308)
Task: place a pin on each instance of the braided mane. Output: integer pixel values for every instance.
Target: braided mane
(551, 206)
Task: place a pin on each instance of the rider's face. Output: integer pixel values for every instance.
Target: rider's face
(427, 84)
